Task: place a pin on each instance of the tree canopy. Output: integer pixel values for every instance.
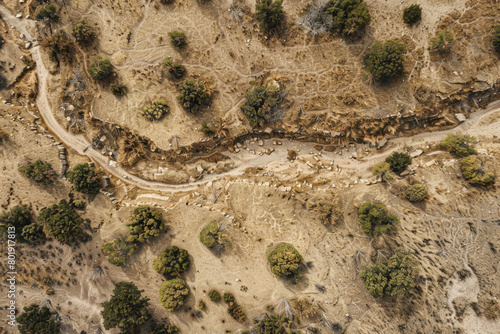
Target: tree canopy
(350, 17)
(443, 42)
(100, 68)
(155, 111)
(164, 328)
(214, 237)
(85, 179)
(412, 14)
(459, 145)
(398, 161)
(39, 171)
(84, 34)
(385, 60)
(61, 222)
(473, 171)
(416, 192)
(177, 38)
(375, 218)
(173, 293)
(145, 223)
(193, 96)
(37, 320)
(285, 261)
(18, 217)
(172, 262)
(260, 103)
(269, 13)
(173, 70)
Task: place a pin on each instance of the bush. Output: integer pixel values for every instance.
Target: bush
(172, 262)
(48, 12)
(350, 17)
(214, 237)
(61, 222)
(442, 43)
(416, 192)
(32, 232)
(382, 169)
(393, 276)
(118, 251)
(207, 130)
(100, 69)
(496, 39)
(126, 309)
(285, 261)
(173, 293)
(398, 161)
(273, 324)
(177, 38)
(236, 312)
(37, 320)
(193, 96)
(18, 217)
(84, 34)
(229, 298)
(173, 70)
(385, 60)
(459, 145)
(39, 171)
(155, 111)
(164, 329)
(269, 13)
(259, 104)
(145, 223)
(118, 89)
(60, 48)
(85, 179)
(473, 172)
(375, 219)
(214, 296)
(412, 14)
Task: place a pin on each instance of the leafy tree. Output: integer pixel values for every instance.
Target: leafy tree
(61, 222)
(60, 47)
(274, 324)
(229, 298)
(85, 179)
(350, 17)
(496, 39)
(416, 192)
(393, 276)
(48, 12)
(172, 262)
(126, 309)
(269, 13)
(443, 42)
(193, 96)
(145, 223)
(214, 237)
(237, 312)
(177, 38)
(214, 296)
(165, 328)
(412, 14)
(473, 172)
(39, 171)
(18, 217)
(398, 161)
(83, 33)
(382, 169)
(285, 261)
(259, 104)
(155, 110)
(37, 320)
(385, 60)
(100, 69)
(33, 232)
(173, 293)
(118, 251)
(118, 89)
(459, 144)
(173, 70)
(375, 219)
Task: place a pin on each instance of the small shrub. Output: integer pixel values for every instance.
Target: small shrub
(4, 136)
(60, 48)
(155, 111)
(37, 319)
(392, 276)
(412, 14)
(473, 172)
(79, 204)
(118, 251)
(173, 70)
(33, 232)
(214, 237)
(229, 298)
(214, 296)
(100, 69)
(18, 217)
(442, 43)
(202, 305)
(118, 89)
(172, 262)
(85, 179)
(48, 12)
(177, 38)
(385, 60)
(459, 145)
(398, 161)
(208, 131)
(496, 39)
(350, 17)
(285, 261)
(84, 34)
(193, 96)
(237, 312)
(269, 13)
(145, 223)
(382, 169)
(260, 104)
(173, 293)
(416, 192)
(61, 222)
(39, 171)
(165, 329)
(375, 218)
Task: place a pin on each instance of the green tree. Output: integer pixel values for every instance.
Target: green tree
(416, 192)
(443, 42)
(155, 111)
(214, 237)
(173, 70)
(48, 12)
(260, 104)
(385, 60)
(84, 34)
(412, 14)
(274, 324)
(214, 296)
(37, 320)
(229, 298)
(172, 262)
(85, 179)
(173, 294)
(145, 223)
(393, 276)
(39, 171)
(118, 89)
(382, 169)
(33, 232)
(398, 161)
(473, 171)
(60, 48)
(496, 39)
(177, 38)
(375, 219)
(100, 69)
(350, 17)
(460, 145)
(118, 251)
(269, 13)
(61, 222)
(17, 217)
(126, 309)
(164, 328)
(285, 261)
(193, 96)
(237, 312)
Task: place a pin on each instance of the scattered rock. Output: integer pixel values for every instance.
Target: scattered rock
(416, 153)
(460, 118)
(260, 142)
